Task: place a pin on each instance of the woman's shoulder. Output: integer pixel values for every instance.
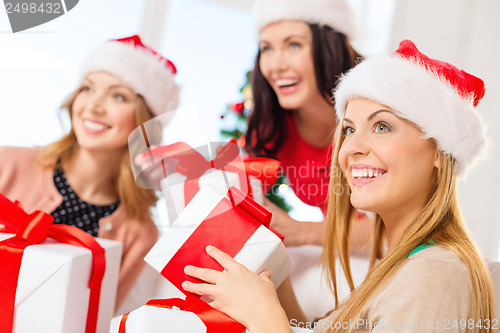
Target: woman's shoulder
(436, 272)
(441, 263)
(19, 161)
(435, 256)
(433, 284)
(14, 154)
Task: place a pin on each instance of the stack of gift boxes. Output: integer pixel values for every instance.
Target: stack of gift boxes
(210, 203)
(57, 278)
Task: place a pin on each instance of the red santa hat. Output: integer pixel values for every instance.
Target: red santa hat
(141, 68)
(434, 95)
(337, 14)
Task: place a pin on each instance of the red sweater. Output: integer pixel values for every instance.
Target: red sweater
(307, 167)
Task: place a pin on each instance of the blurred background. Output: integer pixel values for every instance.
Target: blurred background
(213, 44)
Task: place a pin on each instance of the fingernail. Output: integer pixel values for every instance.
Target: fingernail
(209, 248)
(185, 284)
(187, 269)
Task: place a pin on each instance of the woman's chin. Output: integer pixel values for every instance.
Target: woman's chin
(362, 205)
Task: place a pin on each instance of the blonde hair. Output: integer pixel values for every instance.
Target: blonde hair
(137, 201)
(439, 221)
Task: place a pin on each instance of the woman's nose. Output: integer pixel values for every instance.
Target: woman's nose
(96, 102)
(356, 144)
(278, 61)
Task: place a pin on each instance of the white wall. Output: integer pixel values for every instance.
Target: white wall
(466, 34)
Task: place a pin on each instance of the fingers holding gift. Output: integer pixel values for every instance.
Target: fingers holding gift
(235, 291)
(204, 274)
(202, 289)
(224, 259)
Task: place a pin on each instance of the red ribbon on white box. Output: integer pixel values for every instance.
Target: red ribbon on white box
(34, 228)
(215, 321)
(217, 230)
(193, 165)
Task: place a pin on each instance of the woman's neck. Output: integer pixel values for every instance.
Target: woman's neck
(93, 175)
(396, 224)
(316, 123)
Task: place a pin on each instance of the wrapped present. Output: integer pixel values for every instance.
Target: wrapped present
(54, 278)
(192, 171)
(178, 190)
(191, 315)
(236, 224)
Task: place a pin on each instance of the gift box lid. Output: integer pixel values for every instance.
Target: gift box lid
(42, 262)
(189, 219)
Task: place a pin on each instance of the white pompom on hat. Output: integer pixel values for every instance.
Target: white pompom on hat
(139, 67)
(337, 14)
(434, 95)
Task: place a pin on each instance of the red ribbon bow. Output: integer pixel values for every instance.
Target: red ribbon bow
(193, 165)
(215, 321)
(34, 228)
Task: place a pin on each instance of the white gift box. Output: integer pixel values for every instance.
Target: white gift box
(155, 319)
(262, 251)
(158, 319)
(52, 293)
(220, 181)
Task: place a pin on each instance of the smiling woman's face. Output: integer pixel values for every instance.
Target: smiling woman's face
(103, 113)
(387, 163)
(286, 61)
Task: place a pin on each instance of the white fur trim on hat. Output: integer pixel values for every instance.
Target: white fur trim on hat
(336, 14)
(423, 98)
(139, 69)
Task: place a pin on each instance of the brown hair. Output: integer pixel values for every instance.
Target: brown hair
(137, 201)
(439, 221)
(332, 56)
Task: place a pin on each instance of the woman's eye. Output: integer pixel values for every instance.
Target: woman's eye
(265, 49)
(295, 46)
(381, 128)
(119, 97)
(348, 130)
(85, 88)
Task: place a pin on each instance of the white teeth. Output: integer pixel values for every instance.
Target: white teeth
(365, 173)
(286, 82)
(94, 126)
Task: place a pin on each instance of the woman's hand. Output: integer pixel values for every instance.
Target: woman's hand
(241, 294)
(296, 233)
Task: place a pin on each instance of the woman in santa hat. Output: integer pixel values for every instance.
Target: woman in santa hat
(409, 127)
(85, 179)
(304, 46)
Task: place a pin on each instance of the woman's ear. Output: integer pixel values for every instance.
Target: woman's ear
(437, 159)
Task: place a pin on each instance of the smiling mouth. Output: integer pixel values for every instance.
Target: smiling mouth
(95, 126)
(286, 83)
(365, 173)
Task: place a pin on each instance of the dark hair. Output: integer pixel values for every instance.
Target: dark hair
(267, 130)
